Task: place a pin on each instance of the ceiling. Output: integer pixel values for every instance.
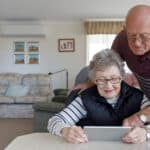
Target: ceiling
(64, 10)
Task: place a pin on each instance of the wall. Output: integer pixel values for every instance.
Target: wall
(50, 59)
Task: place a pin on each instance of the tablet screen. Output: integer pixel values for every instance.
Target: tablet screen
(106, 133)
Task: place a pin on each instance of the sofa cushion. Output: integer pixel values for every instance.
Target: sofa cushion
(16, 111)
(59, 99)
(36, 79)
(17, 90)
(10, 78)
(3, 90)
(44, 80)
(48, 106)
(30, 99)
(29, 79)
(39, 90)
(6, 99)
(60, 92)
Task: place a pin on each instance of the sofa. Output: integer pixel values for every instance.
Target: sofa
(19, 91)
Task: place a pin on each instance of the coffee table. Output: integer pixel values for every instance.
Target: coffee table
(46, 141)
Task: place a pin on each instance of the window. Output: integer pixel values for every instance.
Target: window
(26, 52)
(97, 42)
(100, 35)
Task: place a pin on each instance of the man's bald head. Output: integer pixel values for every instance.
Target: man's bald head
(138, 16)
(138, 29)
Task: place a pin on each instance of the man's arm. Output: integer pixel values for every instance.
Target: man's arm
(81, 86)
(135, 120)
(81, 81)
(130, 79)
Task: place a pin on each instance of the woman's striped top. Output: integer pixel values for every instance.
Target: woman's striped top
(73, 113)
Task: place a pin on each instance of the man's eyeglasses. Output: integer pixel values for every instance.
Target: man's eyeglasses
(102, 81)
(144, 37)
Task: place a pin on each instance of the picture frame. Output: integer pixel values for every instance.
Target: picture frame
(19, 46)
(33, 46)
(19, 59)
(33, 59)
(66, 45)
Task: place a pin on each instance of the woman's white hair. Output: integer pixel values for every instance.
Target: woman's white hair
(103, 60)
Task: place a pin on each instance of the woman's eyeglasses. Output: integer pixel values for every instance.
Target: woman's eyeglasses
(102, 81)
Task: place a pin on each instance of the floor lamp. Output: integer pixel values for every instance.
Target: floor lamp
(63, 70)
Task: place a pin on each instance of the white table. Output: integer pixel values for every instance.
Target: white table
(45, 141)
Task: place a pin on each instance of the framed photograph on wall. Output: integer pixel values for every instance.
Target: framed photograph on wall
(66, 45)
(19, 58)
(33, 46)
(19, 46)
(33, 58)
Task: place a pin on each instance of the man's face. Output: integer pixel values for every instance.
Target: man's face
(139, 42)
(138, 36)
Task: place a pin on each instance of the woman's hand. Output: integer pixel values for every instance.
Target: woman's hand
(136, 135)
(74, 134)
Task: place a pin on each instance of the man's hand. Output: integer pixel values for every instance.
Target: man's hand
(74, 134)
(81, 86)
(130, 79)
(133, 121)
(136, 135)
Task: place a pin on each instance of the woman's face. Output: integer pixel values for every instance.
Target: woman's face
(108, 82)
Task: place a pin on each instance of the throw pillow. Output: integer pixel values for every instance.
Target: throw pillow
(17, 90)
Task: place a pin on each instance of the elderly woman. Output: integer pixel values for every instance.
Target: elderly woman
(108, 102)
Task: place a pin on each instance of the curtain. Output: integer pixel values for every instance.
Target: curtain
(103, 27)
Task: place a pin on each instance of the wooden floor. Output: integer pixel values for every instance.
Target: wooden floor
(11, 128)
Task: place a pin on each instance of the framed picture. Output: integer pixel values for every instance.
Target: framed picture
(19, 46)
(33, 58)
(66, 45)
(33, 46)
(19, 58)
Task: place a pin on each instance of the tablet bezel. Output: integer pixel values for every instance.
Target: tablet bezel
(105, 133)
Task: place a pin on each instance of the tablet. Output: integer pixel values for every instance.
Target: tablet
(105, 133)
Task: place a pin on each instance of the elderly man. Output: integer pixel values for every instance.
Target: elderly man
(133, 45)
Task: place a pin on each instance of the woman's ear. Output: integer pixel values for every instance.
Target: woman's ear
(94, 81)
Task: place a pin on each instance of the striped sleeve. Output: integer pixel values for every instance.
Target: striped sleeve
(145, 102)
(67, 117)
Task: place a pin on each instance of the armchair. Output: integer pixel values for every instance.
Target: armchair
(44, 110)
